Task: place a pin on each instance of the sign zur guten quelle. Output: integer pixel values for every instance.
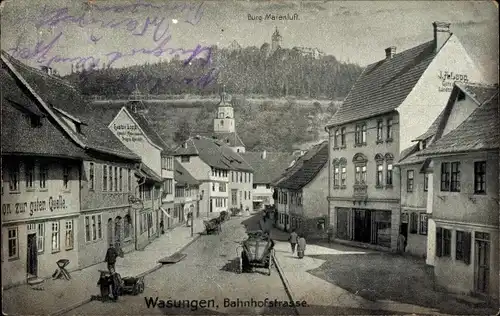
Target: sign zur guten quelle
(128, 132)
(33, 208)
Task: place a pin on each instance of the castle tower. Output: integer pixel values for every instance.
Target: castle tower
(276, 40)
(224, 122)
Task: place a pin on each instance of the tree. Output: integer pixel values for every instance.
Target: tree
(183, 131)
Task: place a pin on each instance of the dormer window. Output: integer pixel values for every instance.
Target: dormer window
(461, 95)
(35, 121)
(423, 144)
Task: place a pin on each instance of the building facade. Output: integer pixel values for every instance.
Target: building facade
(462, 245)
(302, 194)
(187, 194)
(365, 201)
(225, 178)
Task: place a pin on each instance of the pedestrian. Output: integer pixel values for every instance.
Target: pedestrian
(293, 240)
(301, 246)
(401, 243)
(162, 228)
(110, 259)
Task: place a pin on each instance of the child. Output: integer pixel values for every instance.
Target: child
(302, 247)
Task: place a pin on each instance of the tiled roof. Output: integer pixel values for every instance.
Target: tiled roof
(409, 156)
(17, 135)
(60, 94)
(182, 176)
(230, 139)
(478, 91)
(214, 153)
(268, 169)
(384, 85)
(478, 132)
(306, 168)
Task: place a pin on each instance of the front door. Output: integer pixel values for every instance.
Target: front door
(211, 206)
(110, 231)
(482, 260)
(32, 256)
(362, 226)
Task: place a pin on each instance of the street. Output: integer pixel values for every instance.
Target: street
(209, 272)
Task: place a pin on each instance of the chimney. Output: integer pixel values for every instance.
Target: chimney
(264, 154)
(441, 34)
(390, 52)
(47, 70)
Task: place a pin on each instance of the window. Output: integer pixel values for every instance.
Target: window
(222, 187)
(461, 96)
(14, 179)
(93, 227)
(104, 178)
(167, 186)
(129, 182)
(184, 158)
(91, 176)
(245, 195)
(380, 130)
(443, 242)
(423, 223)
(127, 226)
(40, 237)
(463, 246)
(480, 177)
(13, 240)
(409, 181)
(388, 178)
(343, 177)
(241, 177)
(336, 176)
(380, 174)
(342, 136)
(358, 175)
(30, 175)
(213, 187)
(389, 129)
(234, 197)
(426, 182)
(336, 139)
(111, 176)
(69, 241)
(232, 176)
(363, 174)
(43, 176)
(455, 177)
(360, 134)
(413, 223)
(66, 171)
(55, 236)
(245, 177)
(120, 182)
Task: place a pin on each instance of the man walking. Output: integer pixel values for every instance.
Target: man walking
(293, 240)
(110, 259)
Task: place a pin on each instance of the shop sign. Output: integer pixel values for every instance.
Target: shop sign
(128, 132)
(448, 78)
(33, 207)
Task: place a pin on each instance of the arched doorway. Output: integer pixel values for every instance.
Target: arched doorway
(118, 231)
(110, 231)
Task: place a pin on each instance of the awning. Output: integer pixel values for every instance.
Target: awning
(165, 212)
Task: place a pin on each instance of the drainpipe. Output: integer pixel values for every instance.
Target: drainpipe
(329, 183)
(142, 181)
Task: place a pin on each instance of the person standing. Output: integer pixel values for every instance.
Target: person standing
(110, 259)
(401, 243)
(301, 246)
(162, 227)
(293, 240)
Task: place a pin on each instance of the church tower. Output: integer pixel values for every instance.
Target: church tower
(224, 122)
(276, 41)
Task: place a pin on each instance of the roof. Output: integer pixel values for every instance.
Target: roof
(384, 85)
(305, 169)
(182, 176)
(57, 93)
(19, 137)
(214, 153)
(480, 92)
(410, 156)
(478, 132)
(230, 139)
(268, 169)
(150, 174)
(433, 128)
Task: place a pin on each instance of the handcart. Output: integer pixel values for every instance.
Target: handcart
(133, 285)
(257, 252)
(212, 226)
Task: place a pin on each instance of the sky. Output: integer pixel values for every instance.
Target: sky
(354, 31)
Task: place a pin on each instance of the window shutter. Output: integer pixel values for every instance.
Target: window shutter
(439, 241)
(467, 247)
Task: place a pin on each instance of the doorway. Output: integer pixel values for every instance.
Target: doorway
(211, 206)
(110, 232)
(362, 226)
(32, 256)
(482, 262)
